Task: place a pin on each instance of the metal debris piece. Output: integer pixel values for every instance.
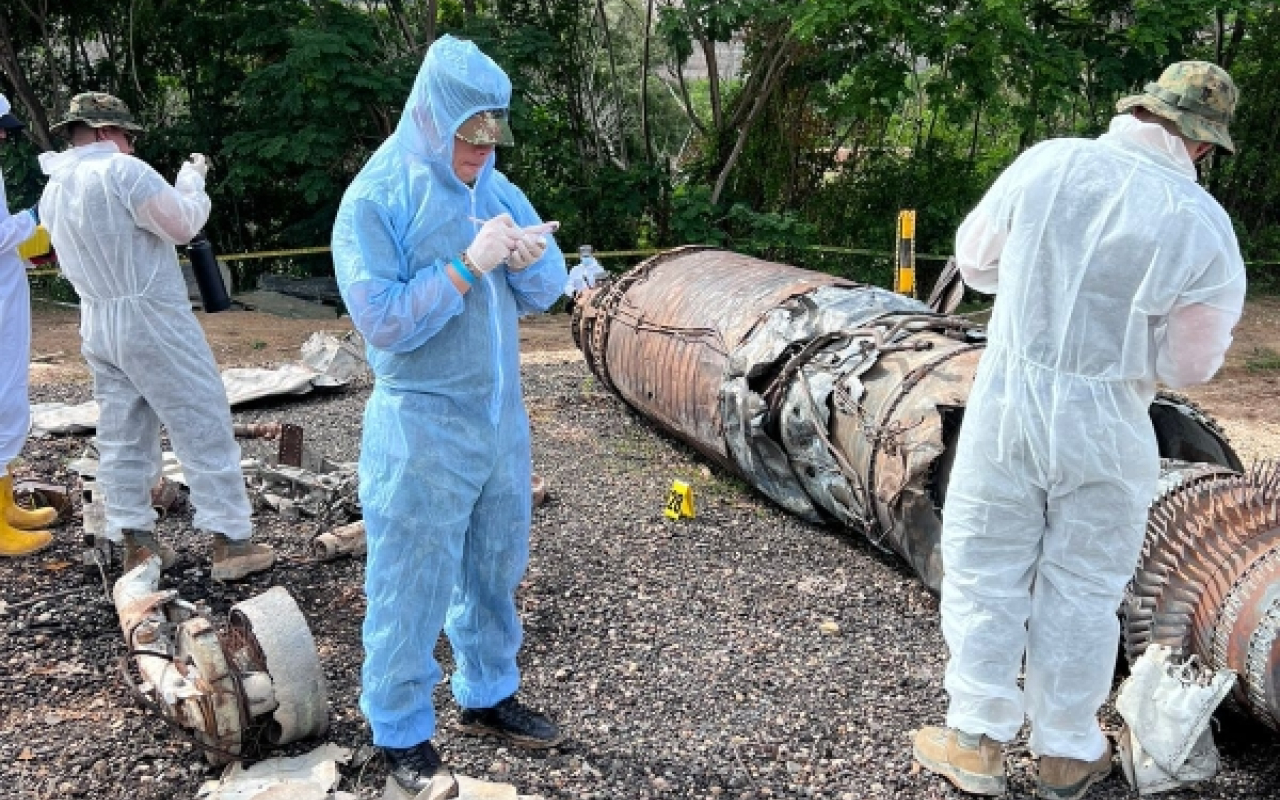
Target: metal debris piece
(345, 540)
(263, 674)
(1166, 704)
(311, 776)
(843, 403)
(257, 430)
(329, 491)
(35, 494)
(538, 487)
(328, 362)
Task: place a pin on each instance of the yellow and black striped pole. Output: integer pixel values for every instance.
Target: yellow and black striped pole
(904, 275)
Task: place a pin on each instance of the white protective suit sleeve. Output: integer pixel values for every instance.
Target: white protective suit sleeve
(981, 238)
(174, 213)
(15, 229)
(1193, 342)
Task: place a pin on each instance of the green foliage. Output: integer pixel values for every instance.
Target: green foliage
(825, 118)
(308, 120)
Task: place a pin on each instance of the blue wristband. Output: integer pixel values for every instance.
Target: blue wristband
(462, 270)
(35, 215)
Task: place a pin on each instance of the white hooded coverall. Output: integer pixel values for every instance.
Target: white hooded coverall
(1113, 269)
(15, 327)
(114, 222)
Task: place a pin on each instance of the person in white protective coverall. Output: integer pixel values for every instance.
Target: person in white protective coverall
(437, 254)
(1112, 270)
(114, 222)
(21, 531)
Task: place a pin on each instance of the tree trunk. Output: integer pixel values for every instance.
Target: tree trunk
(778, 66)
(397, 11)
(38, 123)
(645, 133)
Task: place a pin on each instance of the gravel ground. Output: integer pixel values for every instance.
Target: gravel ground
(740, 654)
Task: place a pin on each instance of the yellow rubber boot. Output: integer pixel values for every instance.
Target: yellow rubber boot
(15, 516)
(15, 541)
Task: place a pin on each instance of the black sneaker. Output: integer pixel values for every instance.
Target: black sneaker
(413, 767)
(512, 721)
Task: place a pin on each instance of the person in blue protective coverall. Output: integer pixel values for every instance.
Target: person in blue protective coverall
(1112, 270)
(21, 531)
(437, 254)
(114, 222)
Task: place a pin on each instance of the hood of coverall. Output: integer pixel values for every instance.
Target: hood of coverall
(455, 82)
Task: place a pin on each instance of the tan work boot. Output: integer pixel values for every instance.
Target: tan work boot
(233, 559)
(15, 516)
(975, 764)
(141, 545)
(1069, 778)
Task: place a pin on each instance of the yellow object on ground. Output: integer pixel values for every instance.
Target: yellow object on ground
(680, 501)
(14, 541)
(38, 245)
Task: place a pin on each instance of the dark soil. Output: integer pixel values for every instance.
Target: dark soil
(739, 654)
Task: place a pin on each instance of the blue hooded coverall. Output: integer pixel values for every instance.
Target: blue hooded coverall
(445, 459)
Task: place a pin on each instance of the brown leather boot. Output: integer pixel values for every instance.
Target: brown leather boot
(233, 559)
(975, 764)
(141, 545)
(1069, 778)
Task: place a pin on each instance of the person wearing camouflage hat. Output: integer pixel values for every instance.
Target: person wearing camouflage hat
(115, 222)
(1113, 270)
(98, 110)
(21, 531)
(1199, 98)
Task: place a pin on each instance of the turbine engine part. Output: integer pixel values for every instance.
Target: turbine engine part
(262, 675)
(1208, 580)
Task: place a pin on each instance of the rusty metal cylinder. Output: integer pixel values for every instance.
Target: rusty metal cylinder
(829, 396)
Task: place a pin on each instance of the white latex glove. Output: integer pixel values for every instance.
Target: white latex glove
(494, 242)
(191, 175)
(528, 250)
(531, 246)
(199, 164)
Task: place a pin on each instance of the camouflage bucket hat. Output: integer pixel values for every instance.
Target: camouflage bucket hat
(1199, 97)
(98, 110)
(487, 128)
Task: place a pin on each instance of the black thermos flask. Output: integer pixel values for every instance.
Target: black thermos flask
(213, 292)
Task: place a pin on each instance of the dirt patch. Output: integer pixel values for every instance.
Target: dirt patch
(246, 339)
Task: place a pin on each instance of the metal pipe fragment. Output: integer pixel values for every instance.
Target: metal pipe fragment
(843, 402)
(257, 430)
(345, 540)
